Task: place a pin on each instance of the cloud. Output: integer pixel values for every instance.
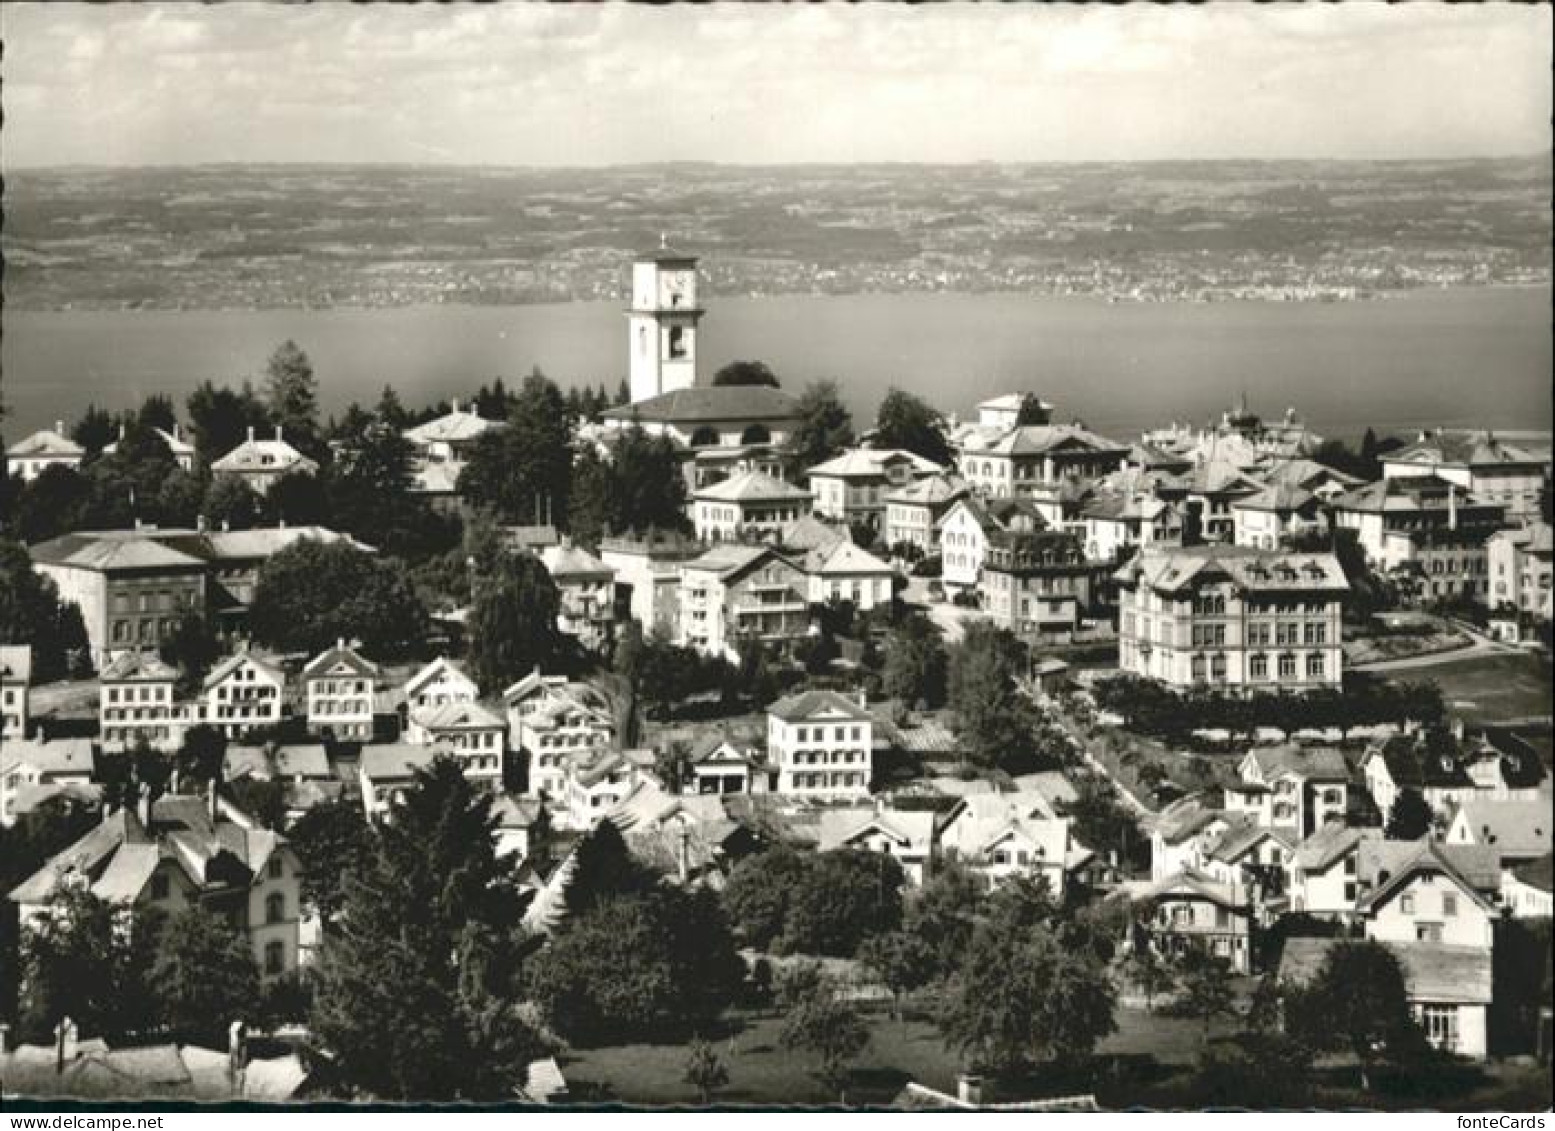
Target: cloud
(587, 84)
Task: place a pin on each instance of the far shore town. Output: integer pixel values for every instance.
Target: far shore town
(694, 743)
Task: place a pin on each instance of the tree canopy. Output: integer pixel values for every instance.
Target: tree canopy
(313, 593)
(512, 622)
(908, 422)
(746, 373)
(995, 719)
(825, 427)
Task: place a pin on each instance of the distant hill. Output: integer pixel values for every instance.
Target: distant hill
(321, 235)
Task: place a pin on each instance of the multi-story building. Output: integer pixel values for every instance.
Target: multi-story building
(440, 682)
(1520, 571)
(966, 529)
(821, 744)
(912, 513)
(15, 679)
(853, 487)
(844, 572)
(587, 587)
(241, 693)
(452, 437)
(1232, 617)
(178, 852)
(387, 772)
(747, 506)
(1324, 875)
(1427, 899)
(1270, 518)
(338, 689)
(1207, 493)
(554, 721)
(999, 835)
(1188, 910)
(31, 770)
(32, 455)
(134, 586)
(1035, 584)
(907, 836)
(137, 699)
(1426, 522)
(1033, 460)
(1448, 777)
(1297, 789)
(1480, 464)
(594, 786)
(733, 592)
(469, 732)
(648, 575)
(259, 463)
(1116, 521)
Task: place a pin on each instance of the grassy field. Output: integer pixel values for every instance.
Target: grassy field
(1486, 688)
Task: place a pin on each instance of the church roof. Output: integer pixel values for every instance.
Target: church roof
(710, 403)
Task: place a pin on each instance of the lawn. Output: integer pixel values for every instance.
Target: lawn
(1487, 688)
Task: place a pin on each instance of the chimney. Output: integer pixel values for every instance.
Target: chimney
(969, 1089)
(1452, 507)
(250, 433)
(121, 430)
(200, 523)
(237, 1055)
(456, 405)
(340, 643)
(59, 426)
(226, 525)
(863, 699)
(683, 855)
(5, 1039)
(211, 796)
(65, 1034)
(143, 806)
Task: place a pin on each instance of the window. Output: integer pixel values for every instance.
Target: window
(1449, 904)
(1287, 667)
(1406, 904)
(275, 907)
(275, 957)
(1428, 932)
(274, 868)
(1258, 666)
(159, 887)
(1315, 666)
(1440, 1023)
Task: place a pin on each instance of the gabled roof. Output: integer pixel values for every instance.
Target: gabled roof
(63, 757)
(326, 662)
(749, 487)
(1512, 828)
(573, 563)
(1311, 763)
(871, 463)
(1279, 498)
(458, 716)
(808, 532)
(1304, 473)
(1462, 449)
(396, 761)
(1237, 840)
(729, 561)
(176, 444)
(720, 747)
(808, 705)
(1019, 805)
(1190, 885)
(1409, 493)
(431, 671)
(1331, 842)
(15, 663)
(1433, 972)
(233, 662)
(296, 759)
(44, 443)
(1426, 857)
(844, 559)
(933, 491)
(1185, 817)
(912, 829)
(460, 425)
(710, 403)
(129, 667)
(606, 764)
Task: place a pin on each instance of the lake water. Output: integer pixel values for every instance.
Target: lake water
(1457, 357)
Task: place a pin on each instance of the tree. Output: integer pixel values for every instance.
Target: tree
(313, 593)
(415, 987)
(747, 373)
(1152, 976)
(830, 1029)
(943, 912)
(705, 1070)
(909, 423)
(604, 870)
(295, 499)
(825, 427)
(589, 505)
(846, 896)
(1025, 995)
(204, 976)
(994, 718)
(265, 799)
(915, 663)
(1206, 987)
(230, 503)
(56, 502)
(201, 756)
(1410, 816)
(85, 959)
(291, 392)
(32, 614)
(901, 960)
(639, 966)
(1032, 411)
(333, 844)
(648, 489)
(369, 488)
(192, 647)
(512, 623)
(759, 891)
(221, 418)
(95, 430)
(1357, 1001)
(525, 470)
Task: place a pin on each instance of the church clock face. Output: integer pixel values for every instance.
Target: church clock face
(676, 287)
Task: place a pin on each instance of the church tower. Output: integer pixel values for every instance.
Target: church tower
(663, 318)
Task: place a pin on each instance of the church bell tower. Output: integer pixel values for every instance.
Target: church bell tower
(663, 318)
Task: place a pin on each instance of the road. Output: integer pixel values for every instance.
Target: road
(1479, 645)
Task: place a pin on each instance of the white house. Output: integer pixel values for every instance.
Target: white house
(821, 744)
(1518, 831)
(338, 688)
(906, 836)
(749, 505)
(1526, 890)
(1180, 834)
(587, 589)
(386, 772)
(999, 835)
(1295, 788)
(719, 765)
(844, 572)
(30, 456)
(440, 682)
(597, 785)
(853, 486)
(1426, 899)
(26, 765)
(137, 700)
(469, 732)
(15, 676)
(553, 721)
(259, 463)
(243, 692)
(1324, 873)
(1186, 909)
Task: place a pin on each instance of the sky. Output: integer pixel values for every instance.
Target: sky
(615, 83)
